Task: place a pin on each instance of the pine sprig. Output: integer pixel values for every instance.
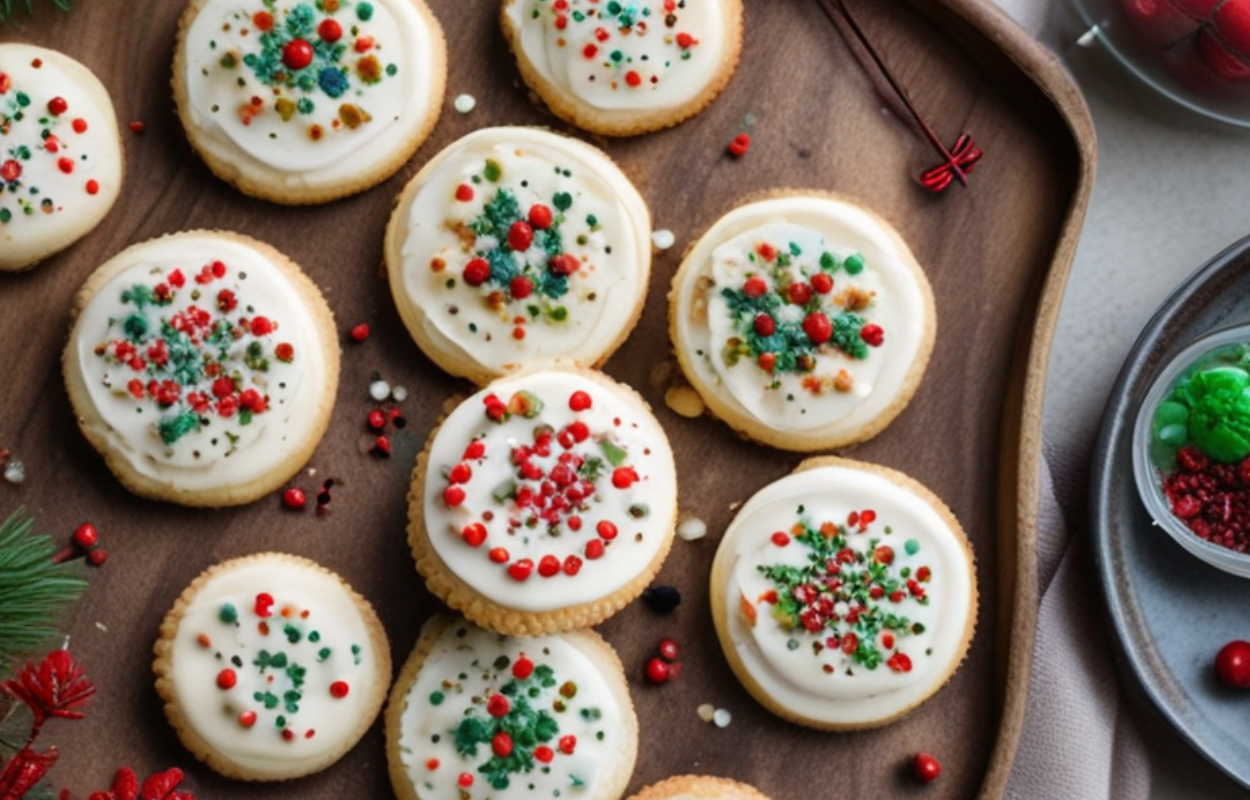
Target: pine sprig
(33, 590)
(9, 8)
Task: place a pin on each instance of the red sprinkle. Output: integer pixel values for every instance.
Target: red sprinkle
(522, 668)
(606, 530)
(657, 671)
(464, 192)
(86, 536)
(754, 287)
(540, 217)
(377, 419)
(57, 106)
(579, 401)
(567, 744)
(926, 767)
(740, 145)
(594, 549)
(474, 535)
(339, 689)
(264, 602)
(499, 555)
(247, 718)
(781, 539)
(501, 745)
(227, 679)
(476, 272)
(297, 54)
(668, 650)
(453, 496)
(329, 30)
(544, 754)
(521, 570)
(465, 779)
(138, 128)
(93, 187)
(498, 706)
(79, 125)
(360, 333)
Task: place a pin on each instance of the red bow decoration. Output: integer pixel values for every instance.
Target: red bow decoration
(960, 160)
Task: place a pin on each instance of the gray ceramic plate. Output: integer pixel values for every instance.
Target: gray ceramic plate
(1172, 612)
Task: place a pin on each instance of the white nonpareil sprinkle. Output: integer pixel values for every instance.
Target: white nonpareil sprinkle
(721, 718)
(663, 239)
(399, 394)
(379, 390)
(465, 103)
(691, 529)
(14, 471)
(706, 712)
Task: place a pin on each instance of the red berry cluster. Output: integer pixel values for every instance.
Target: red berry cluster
(664, 666)
(84, 543)
(1205, 43)
(1213, 500)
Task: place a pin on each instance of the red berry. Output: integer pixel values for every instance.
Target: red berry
(297, 54)
(464, 192)
(540, 217)
(294, 498)
(330, 31)
(475, 450)
(563, 264)
(818, 328)
(521, 287)
(754, 287)
(501, 745)
(544, 754)
(799, 293)
(499, 555)
(740, 145)
(579, 401)
(461, 473)
(657, 671)
(247, 718)
(1222, 61)
(476, 272)
(1232, 664)
(57, 106)
(1232, 23)
(822, 283)
(624, 477)
(594, 549)
(498, 706)
(339, 689)
(549, 566)
(360, 333)
(765, 325)
(522, 668)
(568, 744)
(453, 496)
(606, 530)
(97, 557)
(262, 326)
(668, 650)
(572, 565)
(86, 537)
(768, 361)
(633, 79)
(927, 767)
(465, 779)
(227, 679)
(521, 569)
(520, 236)
(872, 335)
(685, 41)
(474, 535)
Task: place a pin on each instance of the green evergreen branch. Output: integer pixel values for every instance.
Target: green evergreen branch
(8, 11)
(33, 590)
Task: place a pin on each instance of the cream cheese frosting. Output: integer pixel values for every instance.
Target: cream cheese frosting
(499, 717)
(803, 313)
(549, 490)
(202, 360)
(848, 597)
(312, 94)
(626, 55)
(519, 245)
(60, 154)
(274, 667)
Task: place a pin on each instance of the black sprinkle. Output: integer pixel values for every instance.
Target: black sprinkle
(662, 599)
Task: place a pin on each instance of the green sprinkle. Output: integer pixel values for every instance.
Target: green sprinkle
(228, 614)
(437, 698)
(911, 546)
(854, 264)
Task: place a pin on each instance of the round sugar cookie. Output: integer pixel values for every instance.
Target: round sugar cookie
(625, 68)
(515, 245)
(203, 366)
(545, 502)
(300, 102)
(803, 321)
(61, 158)
(271, 667)
(698, 787)
(844, 595)
(477, 714)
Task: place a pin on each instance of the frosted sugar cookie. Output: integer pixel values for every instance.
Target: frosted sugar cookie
(545, 502)
(515, 245)
(477, 714)
(271, 667)
(61, 157)
(803, 321)
(698, 787)
(844, 595)
(203, 366)
(298, 101)
(629, 67)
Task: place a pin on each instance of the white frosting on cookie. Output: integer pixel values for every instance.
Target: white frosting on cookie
(790, 622)
(202, 360)
(313, 97)
(846, 268)
(60, 155)
(273, 665)
(626, 55)
(474, 684)
(553, 533)
(570, 199)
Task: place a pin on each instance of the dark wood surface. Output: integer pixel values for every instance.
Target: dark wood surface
(816, 123)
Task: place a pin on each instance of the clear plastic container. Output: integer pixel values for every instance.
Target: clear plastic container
(1148, 476)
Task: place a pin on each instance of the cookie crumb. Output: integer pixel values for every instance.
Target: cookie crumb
(684, 401)
(706, 712)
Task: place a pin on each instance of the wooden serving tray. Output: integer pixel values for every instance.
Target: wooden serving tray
(996, 253)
